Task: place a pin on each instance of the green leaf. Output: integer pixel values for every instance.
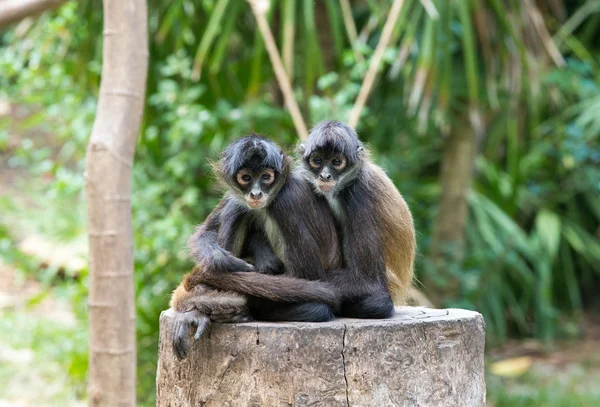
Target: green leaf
(548, 229)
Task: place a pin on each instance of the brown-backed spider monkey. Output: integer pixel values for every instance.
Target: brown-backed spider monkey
(270, 214)
(375, 222)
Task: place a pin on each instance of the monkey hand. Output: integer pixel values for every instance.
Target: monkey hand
(269, 266)
(325, 293)
(230, 263)
(183, 322)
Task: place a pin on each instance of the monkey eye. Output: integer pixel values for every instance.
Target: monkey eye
(337, 161)
(317, 160)
(266, 176)
(246, 178)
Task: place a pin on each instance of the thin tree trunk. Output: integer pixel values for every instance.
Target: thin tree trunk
(110, 153)
(260, 8)
(12, 11)
(367, 85)
(447, 241)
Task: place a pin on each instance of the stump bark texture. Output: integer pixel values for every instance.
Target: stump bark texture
(420, 357)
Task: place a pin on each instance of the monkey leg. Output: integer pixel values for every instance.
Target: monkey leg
(265, 310)
(209, 301)
(371, 306)
(198, 307)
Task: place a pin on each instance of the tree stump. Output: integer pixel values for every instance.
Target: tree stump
(420, 357)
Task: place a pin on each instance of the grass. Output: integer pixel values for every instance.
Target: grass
(570, 383)
(42, 359)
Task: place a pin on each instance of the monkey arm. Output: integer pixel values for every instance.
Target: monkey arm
(264, 259)
(204, 244)
(302, 230)
(363, 246)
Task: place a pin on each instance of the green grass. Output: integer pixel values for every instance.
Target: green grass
(573, 385)
(42, 360)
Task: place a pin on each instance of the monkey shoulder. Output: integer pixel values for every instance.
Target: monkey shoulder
(295, 195)
(233, 225)
(232, 208)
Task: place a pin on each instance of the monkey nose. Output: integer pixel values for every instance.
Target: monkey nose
(258, 195)
(325, 177)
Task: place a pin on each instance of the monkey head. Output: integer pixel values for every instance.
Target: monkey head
(254, 169)
(331, 156)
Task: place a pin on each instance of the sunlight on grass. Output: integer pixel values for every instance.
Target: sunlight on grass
(574, 385)
(39, 360)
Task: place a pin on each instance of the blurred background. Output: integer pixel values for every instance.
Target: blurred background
(485, 113)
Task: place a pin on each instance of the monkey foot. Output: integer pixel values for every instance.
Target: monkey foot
(183, 322)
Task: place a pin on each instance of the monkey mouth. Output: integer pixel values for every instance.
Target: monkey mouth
(256, 203)
(326, 186)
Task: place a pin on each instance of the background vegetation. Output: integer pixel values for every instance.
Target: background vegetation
(497, 100)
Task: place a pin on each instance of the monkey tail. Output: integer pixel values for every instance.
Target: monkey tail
(274, 288)
(397, 288)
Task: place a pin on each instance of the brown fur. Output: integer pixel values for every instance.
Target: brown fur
(398, 231)
(275, 288)
(221, 242)
(376, 224)
(207, 300)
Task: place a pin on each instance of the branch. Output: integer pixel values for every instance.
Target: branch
(259, 8)
(367, 85)
(12, 11)
(542, 30)
(351, 28)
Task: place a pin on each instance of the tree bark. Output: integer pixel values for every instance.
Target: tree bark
(12, 11)
(112, 350)
(447, 241)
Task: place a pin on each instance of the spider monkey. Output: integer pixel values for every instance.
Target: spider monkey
(270, 214)
(375, 223)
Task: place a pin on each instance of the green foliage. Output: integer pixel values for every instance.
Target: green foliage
(532, 254)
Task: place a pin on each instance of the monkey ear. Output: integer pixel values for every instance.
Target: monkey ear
(359, 149)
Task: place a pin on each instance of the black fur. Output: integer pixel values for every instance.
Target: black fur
(363, 282)
(305, 312)
(337, 136)
(263, 257)
(252, 150)
(354, 267)
(285, 286)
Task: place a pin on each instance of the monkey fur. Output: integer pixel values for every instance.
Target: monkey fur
(375, 222)
(271, 215)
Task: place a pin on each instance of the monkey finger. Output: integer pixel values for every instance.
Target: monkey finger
(236, 264)
(180, 346)
(202, 322)
(179, 343)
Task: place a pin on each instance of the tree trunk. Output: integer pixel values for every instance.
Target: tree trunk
(110, 153)
(420, 357)
(447, 241)
(12, 11)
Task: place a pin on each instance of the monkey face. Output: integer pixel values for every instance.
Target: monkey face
(256, 185)
(328, 168)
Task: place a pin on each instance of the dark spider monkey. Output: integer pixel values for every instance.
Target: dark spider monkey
(270, 214)
(375, 223)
